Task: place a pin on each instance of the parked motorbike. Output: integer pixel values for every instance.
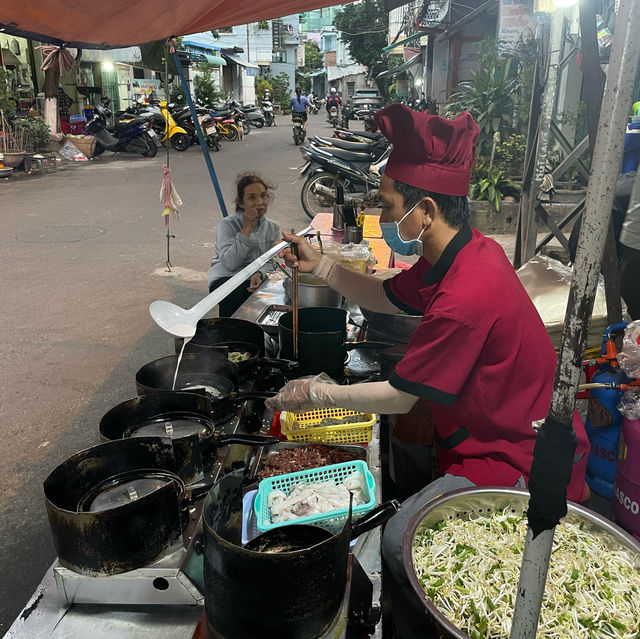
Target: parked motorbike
(251, 112)
(267, 109)
(179, 138)
(135, 135)
(210, 131)
(359, 136)
(326, 168)
(227, 112)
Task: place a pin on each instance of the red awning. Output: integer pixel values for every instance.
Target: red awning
(123, 23)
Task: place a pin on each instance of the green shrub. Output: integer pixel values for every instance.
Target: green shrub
(35, 133)
(493, 188)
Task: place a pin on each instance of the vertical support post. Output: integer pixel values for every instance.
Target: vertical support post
(201, 140)
(593, 84)
(529, 232)
(604, 171)
(542, 39)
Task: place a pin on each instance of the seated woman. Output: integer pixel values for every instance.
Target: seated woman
(241, 238)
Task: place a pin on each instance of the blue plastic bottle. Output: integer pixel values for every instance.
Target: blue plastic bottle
(631, 154)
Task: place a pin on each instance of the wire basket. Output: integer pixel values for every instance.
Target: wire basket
(304, 427)
(333, 520)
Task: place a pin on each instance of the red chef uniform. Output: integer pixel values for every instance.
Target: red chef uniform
(479, 327)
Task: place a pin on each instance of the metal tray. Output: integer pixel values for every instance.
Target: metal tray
(464, 504)
(269, 317)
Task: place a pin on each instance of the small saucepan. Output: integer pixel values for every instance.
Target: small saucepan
(183, 417)
(247, 357)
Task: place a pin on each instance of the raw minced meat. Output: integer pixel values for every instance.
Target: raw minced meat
(291, 460)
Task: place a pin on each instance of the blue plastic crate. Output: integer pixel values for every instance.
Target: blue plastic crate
(333, 520)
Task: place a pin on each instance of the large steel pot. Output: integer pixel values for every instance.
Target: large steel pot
(312, 291)
(464, 504)
(115, 507)
(294, 592)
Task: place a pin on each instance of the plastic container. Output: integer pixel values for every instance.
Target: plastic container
(626, 501)
(333, 520)
(304, 427)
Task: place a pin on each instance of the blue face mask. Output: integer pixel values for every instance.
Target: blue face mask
(391, 235)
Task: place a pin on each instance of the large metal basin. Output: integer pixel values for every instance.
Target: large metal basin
(464, 503)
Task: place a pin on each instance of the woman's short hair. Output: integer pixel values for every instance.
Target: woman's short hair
(250, 177)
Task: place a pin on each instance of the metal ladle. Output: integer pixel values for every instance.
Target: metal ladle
(182, 322)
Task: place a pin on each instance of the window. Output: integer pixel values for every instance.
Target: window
(225, 30)
(279, 56)
(351, 88)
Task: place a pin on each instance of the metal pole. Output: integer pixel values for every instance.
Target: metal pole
(604, 171)
(544, 133)
(203, 144)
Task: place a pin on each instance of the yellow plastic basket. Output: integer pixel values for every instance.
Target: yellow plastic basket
(303, 427)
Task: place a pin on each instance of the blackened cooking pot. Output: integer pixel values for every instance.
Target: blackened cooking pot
(184, 418)
(322, 335)
(115, 507)
(211, 370)
(214, 330)
(294, 594)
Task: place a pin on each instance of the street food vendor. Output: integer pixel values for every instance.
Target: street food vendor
(481, 355)
(241, 238)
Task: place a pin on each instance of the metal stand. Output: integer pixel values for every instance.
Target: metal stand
(606, 161)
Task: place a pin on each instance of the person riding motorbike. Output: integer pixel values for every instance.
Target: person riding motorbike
(333, 100)
(269, 100)
(471, 356)
(300, 106)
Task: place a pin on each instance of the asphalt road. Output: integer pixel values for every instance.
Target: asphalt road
(82, 254)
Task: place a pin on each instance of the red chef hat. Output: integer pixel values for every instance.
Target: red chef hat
(429, 152)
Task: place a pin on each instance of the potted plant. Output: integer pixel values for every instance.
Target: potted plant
(35, 133)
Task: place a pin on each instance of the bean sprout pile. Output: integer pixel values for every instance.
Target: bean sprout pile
(469, 570)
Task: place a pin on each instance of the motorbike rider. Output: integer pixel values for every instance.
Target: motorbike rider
(267, 98)
(471, 356)
(333, 100)
(300, 105)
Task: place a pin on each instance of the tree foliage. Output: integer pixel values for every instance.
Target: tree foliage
(498, 94)
(7, 94)
(363, 28)
(281, 90)
(261, 85)
(204, 85)
(313, 60)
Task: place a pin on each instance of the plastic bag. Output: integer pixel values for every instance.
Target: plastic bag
(629, 356)
(70, 151)
(357, 257)
(629, 405)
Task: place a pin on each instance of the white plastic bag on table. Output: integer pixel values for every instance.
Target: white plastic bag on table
(629, 355)
(547, 281)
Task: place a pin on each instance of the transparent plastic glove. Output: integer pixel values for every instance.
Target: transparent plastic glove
(306, 393)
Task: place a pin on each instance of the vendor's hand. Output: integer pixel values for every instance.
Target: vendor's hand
(308, 258)
(255, 281)
(301, 395)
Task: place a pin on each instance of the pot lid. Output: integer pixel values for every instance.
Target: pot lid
(124, 488)
(174, 427)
